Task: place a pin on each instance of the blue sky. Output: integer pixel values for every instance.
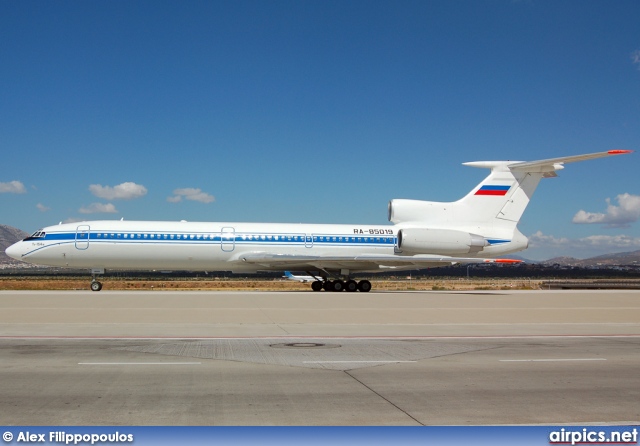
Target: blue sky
(318, 111)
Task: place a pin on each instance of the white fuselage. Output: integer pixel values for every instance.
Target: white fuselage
(157, 245)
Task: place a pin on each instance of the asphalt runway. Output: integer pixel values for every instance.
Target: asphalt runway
(304, 358)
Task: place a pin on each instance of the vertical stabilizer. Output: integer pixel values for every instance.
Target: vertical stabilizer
(500, 199)
(494, 206)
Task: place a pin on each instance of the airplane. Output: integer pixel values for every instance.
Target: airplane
(424, 234)
(303, 279)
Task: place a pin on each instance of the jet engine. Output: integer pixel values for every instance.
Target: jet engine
(401, 210)
(439, 241)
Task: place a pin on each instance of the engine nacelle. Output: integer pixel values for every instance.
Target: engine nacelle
(402, 210)
(439, 241)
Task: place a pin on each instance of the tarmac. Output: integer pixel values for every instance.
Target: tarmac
(304, 358)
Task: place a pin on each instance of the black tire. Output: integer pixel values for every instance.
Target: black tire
(351, 286)
(327, 285)
(364, 286)
(96, 286)
(338, 285)
(316, 286)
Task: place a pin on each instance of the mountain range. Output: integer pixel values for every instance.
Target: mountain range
(622, 258)
(8, 236)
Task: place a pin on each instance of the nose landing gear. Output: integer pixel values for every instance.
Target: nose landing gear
(96, 285)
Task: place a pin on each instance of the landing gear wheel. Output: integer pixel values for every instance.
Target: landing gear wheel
(327, 285)
(96, 286)
(351, 286)
(316, 286)
(364, 286)
(338, 285)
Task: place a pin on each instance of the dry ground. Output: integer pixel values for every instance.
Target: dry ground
(110, 283)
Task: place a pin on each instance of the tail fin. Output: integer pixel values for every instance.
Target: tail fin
(496, 204)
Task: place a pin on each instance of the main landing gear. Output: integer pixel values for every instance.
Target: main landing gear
(350, 285)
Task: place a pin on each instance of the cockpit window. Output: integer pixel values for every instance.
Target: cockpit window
(36, 235)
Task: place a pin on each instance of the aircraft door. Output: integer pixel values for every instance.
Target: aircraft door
(308, 240)
(82, 237)
(227, 239)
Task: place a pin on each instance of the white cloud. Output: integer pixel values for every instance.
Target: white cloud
(190, 193)
(124, 191)
(174, 199)
(98, 208)
(635, 58)
(604, 243)
(42, 208)
(627, 212)
(13, 187)
(539, 239)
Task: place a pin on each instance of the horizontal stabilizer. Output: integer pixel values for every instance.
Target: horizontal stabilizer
(553, 164)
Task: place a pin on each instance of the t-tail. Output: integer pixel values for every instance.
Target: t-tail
(485, 220)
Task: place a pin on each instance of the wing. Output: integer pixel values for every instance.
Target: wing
(362, 263)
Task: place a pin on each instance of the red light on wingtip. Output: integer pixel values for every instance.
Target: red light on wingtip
(619, 152)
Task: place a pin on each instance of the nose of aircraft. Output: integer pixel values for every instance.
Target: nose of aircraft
(14, 251)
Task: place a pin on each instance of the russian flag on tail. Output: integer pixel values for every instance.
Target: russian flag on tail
(493, 190)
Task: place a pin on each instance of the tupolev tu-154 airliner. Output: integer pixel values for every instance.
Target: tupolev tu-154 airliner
(423, 234)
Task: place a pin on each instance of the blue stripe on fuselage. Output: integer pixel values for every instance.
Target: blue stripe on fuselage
(216, 238)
